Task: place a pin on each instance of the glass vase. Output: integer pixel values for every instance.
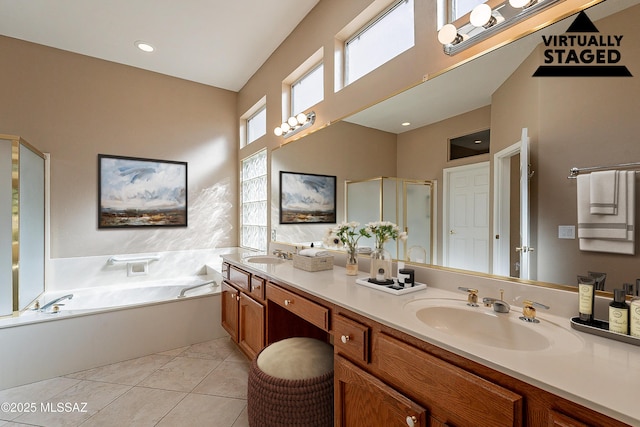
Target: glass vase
(352, 262)
(380, 264)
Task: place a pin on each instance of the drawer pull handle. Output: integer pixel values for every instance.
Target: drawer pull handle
(345, 339)
(288, 302)
(412, 421)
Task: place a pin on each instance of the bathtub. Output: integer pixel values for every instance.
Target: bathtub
(107, 324)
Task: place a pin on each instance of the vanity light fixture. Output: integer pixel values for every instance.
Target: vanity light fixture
(448, 34)
(485, 22)
(295, 124)
(481, 16)
(522, 3)
(144, 46)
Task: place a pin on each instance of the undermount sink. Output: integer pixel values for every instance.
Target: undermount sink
(264, 259)
(481, 325)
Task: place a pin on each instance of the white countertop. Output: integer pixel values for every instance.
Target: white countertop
(599, 373)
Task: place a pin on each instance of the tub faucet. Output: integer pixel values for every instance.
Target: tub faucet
(54, 302)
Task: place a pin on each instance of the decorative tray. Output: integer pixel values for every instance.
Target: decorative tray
(394, 288)
(601, 328)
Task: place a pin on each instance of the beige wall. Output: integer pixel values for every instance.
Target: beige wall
(76, 107)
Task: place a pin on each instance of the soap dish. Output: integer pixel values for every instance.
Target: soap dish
(601, 328)
(394, 288)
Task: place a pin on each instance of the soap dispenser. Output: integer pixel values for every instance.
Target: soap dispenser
(619, 313)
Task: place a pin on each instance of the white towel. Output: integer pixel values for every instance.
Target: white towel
(626, 246)
(603, 192)
(608, 227)
(312, 252)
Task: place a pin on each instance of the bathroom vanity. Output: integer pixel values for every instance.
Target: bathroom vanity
(395, 367)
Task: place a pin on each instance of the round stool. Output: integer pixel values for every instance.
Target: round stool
(291, 384)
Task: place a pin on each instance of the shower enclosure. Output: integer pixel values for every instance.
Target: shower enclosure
(405, 202)
(22, 224)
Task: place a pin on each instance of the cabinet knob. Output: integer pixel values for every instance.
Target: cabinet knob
(237, 297)
(288, 302)
(345, 339)
(412, 421)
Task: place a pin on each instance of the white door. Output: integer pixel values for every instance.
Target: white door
(504, 208)
(525, 248)
(466, 235)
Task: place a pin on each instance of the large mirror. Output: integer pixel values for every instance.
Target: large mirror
(569, 122)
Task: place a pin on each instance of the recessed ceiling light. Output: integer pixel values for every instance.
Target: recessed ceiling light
(144, 46)
(406, 124)
(477, 141)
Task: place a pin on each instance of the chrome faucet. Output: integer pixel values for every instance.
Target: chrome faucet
(279, 253)
(54, 302)
(282, 254)
(499, 305)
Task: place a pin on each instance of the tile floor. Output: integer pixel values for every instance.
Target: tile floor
(201, 385)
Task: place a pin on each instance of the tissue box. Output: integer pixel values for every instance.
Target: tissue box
(313, 263)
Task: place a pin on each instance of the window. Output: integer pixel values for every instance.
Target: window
(253, 204)
(308, 90)
(257, 125)
(373, 45)
(458, 8)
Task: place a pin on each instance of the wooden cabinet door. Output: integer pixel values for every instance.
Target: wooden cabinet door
(230, 298)
(362, 400)
(251, 326)
(557, 419)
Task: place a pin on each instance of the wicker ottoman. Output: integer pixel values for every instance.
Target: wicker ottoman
(291, 384)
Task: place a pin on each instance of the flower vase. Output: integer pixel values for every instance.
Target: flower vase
(352, 262)
(380, 265)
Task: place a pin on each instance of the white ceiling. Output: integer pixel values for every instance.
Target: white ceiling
(214, 42)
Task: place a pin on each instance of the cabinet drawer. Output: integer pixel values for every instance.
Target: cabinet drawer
(453, 395)
(258, 287)
(240, 278)
(300, 306)
(351, 338)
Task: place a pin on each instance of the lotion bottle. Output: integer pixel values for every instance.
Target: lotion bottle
(586, 294)
(634, 318)
(619, 313)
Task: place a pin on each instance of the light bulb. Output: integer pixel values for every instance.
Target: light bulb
(292, 121)
(285, 127)
(278, 131)
(302, 118)
(521, 3)
(447, 34)
(480, 15)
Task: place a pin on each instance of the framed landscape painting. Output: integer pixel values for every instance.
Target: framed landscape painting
(307, 198)
(135, 192)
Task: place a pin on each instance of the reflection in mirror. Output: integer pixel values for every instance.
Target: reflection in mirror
(405, 202)
(571, 121)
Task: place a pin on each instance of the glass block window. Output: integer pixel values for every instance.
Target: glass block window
(381, 40)
(257, 125)
(253, 202)
(308, 90)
